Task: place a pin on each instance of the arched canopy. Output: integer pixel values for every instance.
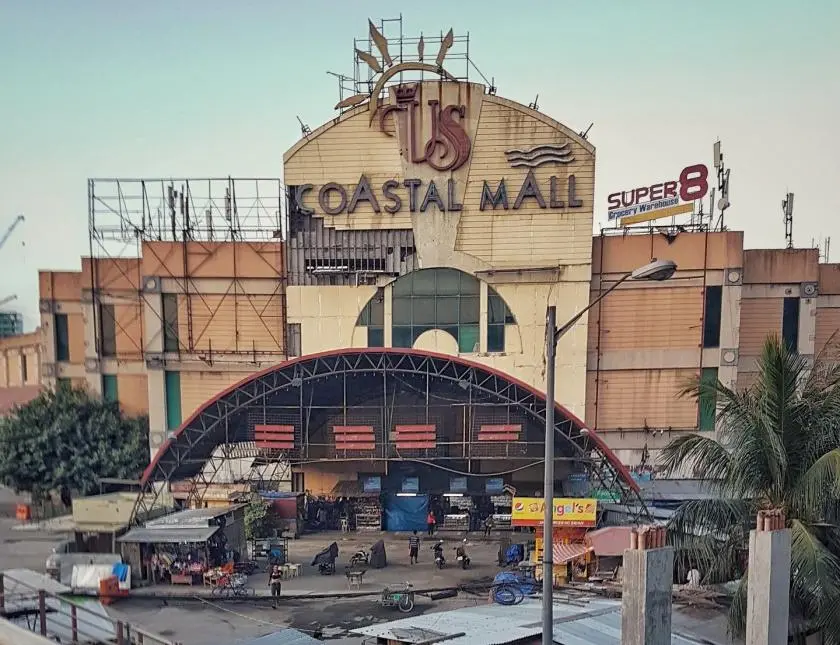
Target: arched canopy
(345, 377)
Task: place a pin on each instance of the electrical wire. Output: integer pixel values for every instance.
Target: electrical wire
(429, 463)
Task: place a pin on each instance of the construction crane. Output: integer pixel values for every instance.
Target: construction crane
(3, 240)
(11, 230)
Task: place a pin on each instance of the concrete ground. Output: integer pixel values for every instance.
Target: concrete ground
(22, 549)
(196, 618)
(207, 621)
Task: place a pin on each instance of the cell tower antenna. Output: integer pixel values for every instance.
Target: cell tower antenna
(585, 133)
(723, 183)
(787, 209)
(305, 130)
(534, 105)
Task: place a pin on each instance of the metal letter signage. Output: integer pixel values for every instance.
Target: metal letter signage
(448, 147)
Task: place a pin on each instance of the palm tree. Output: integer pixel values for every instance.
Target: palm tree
(777, 446)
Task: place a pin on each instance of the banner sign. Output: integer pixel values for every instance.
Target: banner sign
(568, 511)
(372, 484)
(664, 199)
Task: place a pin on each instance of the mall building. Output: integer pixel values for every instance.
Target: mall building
(384, 308)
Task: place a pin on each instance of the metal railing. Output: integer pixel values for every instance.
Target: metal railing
(52, 616)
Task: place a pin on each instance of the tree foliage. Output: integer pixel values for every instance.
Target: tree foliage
(778, 447)
(65, 440)
(257, 518)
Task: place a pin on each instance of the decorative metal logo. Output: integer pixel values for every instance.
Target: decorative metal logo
(540, 155)
(448, 146)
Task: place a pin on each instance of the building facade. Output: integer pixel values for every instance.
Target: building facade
(430, 215)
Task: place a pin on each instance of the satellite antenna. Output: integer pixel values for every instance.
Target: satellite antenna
(787, 209)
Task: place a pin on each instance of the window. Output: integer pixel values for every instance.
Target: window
(444, 299)
(498, 315)
(373, 317)
(711, 316)
(293, 339)
(62, 338)
(109, 388)
(708, 402)
(790, 323)
(107, 330)
(24, 369)
(172, 382)
(170, 322)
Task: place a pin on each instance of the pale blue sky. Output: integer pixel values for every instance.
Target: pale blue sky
(177, 88)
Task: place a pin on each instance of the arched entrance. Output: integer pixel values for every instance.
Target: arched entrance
(307, 400)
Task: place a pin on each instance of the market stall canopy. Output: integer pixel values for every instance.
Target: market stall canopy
(564, 553)
(165, 535)
(610, 541)
(350, 488)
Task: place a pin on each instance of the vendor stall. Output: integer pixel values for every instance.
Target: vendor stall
(183, 547)
(572, 517)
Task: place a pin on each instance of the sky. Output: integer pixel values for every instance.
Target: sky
(97, 88)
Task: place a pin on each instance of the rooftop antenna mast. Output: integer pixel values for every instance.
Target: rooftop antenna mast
(787, 209)
(723, 185)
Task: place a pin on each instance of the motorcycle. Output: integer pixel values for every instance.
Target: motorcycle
(440, 561)
(325, 560)
(461, 556)
(360, 558)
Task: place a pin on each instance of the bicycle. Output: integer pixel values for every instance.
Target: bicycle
(233, 585)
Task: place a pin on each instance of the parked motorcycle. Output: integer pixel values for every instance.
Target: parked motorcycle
(437, 549)
(325, 560)
(461, 555)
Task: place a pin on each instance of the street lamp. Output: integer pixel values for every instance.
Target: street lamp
(657, 270)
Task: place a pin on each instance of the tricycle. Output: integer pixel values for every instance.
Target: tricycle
(402, 598)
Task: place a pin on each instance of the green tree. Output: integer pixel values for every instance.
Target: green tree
(778, 447)
(256, 517)
(64, 441)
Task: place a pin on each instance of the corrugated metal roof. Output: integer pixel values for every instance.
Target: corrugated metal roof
(164, 535)
(592, 622)
(192, 518)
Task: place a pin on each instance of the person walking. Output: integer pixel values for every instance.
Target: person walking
(488, 525)
(413, 547)
(274, 582)
(431, 521)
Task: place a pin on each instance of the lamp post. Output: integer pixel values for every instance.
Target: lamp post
(657, 270)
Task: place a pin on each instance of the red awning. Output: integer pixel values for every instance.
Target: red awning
(563, 553)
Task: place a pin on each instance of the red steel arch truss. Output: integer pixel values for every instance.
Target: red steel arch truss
(329, 386)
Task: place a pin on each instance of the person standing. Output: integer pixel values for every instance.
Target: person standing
(431, 521)
(413, 547)
(488, 525)
(274, 582)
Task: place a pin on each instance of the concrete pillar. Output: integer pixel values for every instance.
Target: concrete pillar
(646, 596)
(768, 588)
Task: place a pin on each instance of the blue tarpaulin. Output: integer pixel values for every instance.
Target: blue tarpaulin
(406, 513)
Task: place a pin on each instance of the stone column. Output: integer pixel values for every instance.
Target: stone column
(646, 596)
(768, 588)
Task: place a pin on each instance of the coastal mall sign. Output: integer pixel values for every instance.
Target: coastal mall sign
(416, 195)
(446, 149)
(664, 199)
(568, 511)
(432, 132)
